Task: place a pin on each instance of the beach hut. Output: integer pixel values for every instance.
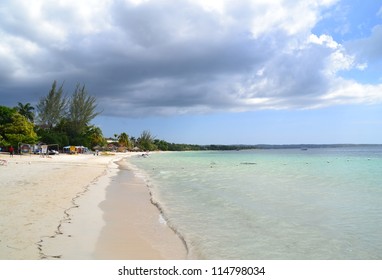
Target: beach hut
(136, 149)
(69, 149)
(112, 147)
(122, 149)
(75, 149)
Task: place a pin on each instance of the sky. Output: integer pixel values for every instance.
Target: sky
(204, 72)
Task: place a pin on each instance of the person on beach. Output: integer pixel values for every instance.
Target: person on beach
(11, 151)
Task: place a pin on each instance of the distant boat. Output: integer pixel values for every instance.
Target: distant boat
(304, 149)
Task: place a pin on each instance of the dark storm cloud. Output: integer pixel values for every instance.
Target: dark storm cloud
(161, 57)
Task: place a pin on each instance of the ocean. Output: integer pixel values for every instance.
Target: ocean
(276, 204)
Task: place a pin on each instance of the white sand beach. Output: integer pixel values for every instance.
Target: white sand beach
(61, 207)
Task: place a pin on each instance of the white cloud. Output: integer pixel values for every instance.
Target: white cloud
(325, 40)
(293, 17)
(339, 59)
(361, 66)
(351, 92)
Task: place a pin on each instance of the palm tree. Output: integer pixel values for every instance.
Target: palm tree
(95, 136)
(123, 140)
(26, 110)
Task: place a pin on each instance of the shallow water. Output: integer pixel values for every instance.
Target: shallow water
(272, 204)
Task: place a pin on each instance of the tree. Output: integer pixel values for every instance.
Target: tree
(20, 130)
(26, 110)
(146, 141)
(15, 128)
(53, 137)
(123, 140)
(161, 144)
(95, 136)
(68, 120)
(3, 142)
(82, 109)
(52, 108)
(6, 114)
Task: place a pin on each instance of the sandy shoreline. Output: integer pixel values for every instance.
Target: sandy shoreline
(72, 207)
(134, 227)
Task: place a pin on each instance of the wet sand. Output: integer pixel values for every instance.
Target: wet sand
(134, 228)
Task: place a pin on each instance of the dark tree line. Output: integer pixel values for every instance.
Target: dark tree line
(56, 119)
(66, 120)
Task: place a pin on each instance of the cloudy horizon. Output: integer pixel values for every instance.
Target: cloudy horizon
(282, 66)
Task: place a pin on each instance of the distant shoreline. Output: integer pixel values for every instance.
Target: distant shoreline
(214, 147)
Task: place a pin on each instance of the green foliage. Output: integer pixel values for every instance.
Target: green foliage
(124, 141)
(66, 121)
(19, 130)
(53, 137)
(3, 142)
(161, 144)
(94, 137)
(146, 141)
(82, 109)
(26, 110)
(60, 121)
(183, 147)
(5, 118)
(52, 108)
(6, 115)
(15, 128)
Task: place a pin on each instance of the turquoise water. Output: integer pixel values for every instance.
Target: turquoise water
(271, 204)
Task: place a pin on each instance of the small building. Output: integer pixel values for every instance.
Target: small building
(75, 149)
(136, 149)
